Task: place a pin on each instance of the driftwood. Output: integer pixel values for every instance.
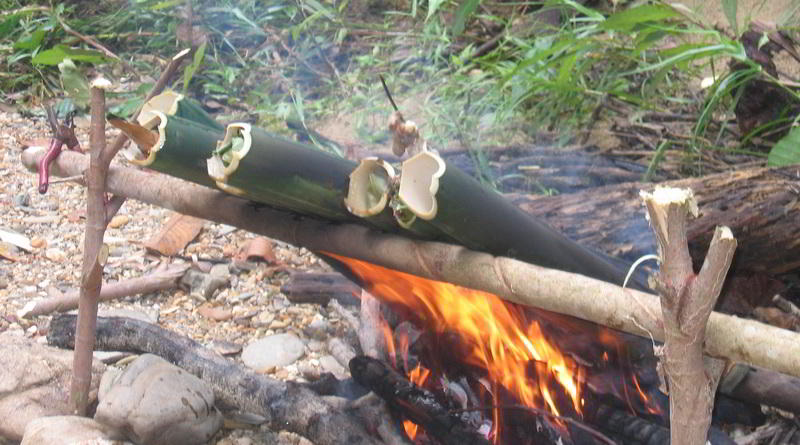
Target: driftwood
(687, 300)
(288, 405)
(415, 403)
(160, 279)
(759, 205)
(628, 310)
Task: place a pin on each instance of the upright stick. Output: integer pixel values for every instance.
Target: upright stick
(94, 252)
(687, 300)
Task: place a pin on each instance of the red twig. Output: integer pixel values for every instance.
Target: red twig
(62, 134)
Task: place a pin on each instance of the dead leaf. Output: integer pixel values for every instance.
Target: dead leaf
(258, 249)
(215, 313)
(119, 221)
(178, 231)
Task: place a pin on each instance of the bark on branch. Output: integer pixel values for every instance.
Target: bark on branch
(628, 310)
(160, 279)
(687, 300)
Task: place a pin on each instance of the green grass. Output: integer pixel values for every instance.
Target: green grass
(309, 60)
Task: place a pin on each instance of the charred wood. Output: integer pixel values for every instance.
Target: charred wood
(415, 403)
(320, 288)
(288, 405)
(633, 430)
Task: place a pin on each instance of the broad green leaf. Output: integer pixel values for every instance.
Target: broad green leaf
(628, 19)
(463, 14)
(433, 6)
(58, 53)
(74, 82)
(730, 7)
(786, 151)
(192, 68)
(9, 25)
(30, 41)
(127, 108)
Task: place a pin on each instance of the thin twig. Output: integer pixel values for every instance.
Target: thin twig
(94, 43)
(388, 94)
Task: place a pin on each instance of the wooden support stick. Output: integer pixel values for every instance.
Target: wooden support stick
(94, 252)
(687, 300)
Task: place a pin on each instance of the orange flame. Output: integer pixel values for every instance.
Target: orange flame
(417, 375)
(496, 334)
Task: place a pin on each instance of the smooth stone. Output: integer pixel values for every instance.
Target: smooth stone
(157, 403)
(69, 430)
(328, 363)
(273, 351)
(34, 383)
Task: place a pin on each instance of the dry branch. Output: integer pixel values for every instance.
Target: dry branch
(94, 252)
(606, 304)
(288, 405)
(161, 279)
(687, 300)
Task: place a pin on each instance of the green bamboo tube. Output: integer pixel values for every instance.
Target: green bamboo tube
(180, 149)
(175, 104)
(269, 169)
(481, 219)
(373, 184)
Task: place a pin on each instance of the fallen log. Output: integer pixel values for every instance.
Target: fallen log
(760, 206)
(288, 405)
(609, 305)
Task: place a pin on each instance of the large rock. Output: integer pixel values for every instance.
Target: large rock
(34, 382)
(273, 351)
(156, 403)
(71, 430)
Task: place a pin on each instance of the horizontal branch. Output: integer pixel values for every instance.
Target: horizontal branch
(160, 279)
(628, 310)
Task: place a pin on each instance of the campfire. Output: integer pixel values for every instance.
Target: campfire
(498, 364)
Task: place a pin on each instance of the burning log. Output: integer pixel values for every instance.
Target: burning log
(287, 405)
(414, 402)
(627, 310)
(758, 204)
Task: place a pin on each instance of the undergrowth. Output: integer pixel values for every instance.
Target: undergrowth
(311, 60)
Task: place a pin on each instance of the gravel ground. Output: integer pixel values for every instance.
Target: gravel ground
(54, 224)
